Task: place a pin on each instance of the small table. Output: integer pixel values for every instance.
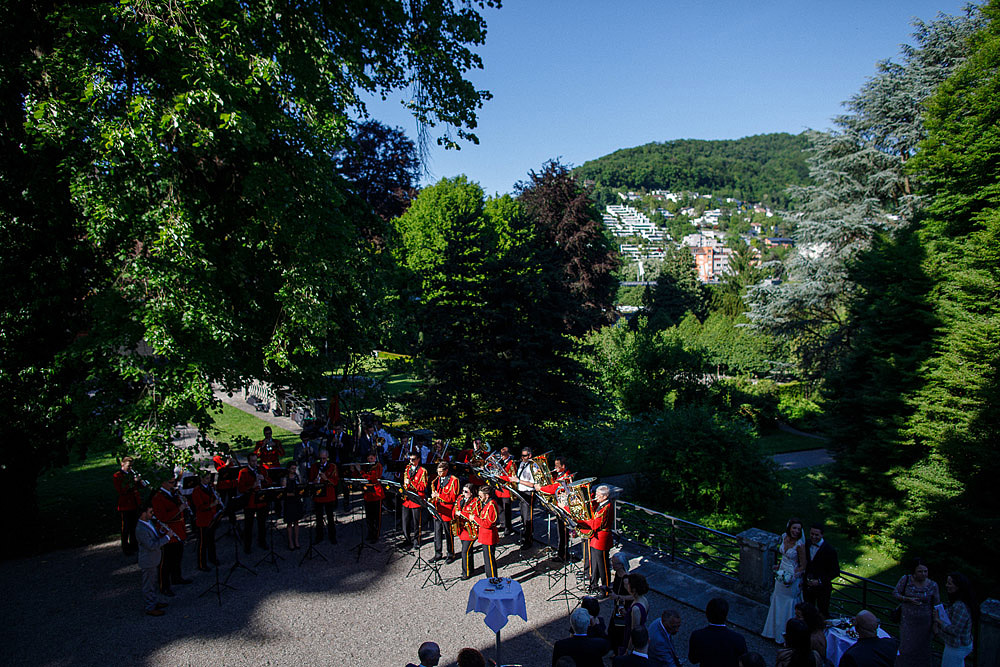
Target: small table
(497, 602)
(838, 641)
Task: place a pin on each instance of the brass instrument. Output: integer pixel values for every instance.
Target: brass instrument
(168, 531)
(137, 478)
(580, 505)
(542, 474)
(460, 520)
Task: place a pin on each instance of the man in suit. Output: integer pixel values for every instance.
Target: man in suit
(638, 657)
(662, 651)
(149, 541)
(585, 651)
(716, 645)
(870, 650)
(822, 567)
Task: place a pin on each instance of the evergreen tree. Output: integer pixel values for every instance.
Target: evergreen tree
(677, 291)
(578, 257)
(951, 493)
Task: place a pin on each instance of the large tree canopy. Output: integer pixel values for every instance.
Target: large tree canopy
(180, 160)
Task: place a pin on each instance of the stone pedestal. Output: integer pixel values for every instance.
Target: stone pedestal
(757, 559)
(988, 651)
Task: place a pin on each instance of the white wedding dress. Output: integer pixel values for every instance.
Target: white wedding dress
(784, 597)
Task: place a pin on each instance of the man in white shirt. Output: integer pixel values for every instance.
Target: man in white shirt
(526, 487)
(638, 657)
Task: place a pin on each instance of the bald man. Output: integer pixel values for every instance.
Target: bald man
(870, 650)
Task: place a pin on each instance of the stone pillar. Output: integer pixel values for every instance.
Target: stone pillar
(988, 651)
(757, 559)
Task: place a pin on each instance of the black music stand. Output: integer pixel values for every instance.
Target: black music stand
(312, 490)
(219, 585)
(236, 554)
(561, 573)
(396, 549)
(230, 474)
(362, 543)
(268, 496)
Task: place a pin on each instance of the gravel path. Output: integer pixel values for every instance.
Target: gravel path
(82, 607)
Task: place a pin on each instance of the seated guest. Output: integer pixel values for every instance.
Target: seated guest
(638, 657)
(597, 628)
(797, 652)
(470, 657)
(752, 659)
(817, 626)
(585, 651)
(429, 655)
(870, 650)
(661, 639)
(716, 645)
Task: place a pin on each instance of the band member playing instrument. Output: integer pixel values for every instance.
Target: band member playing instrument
(127, 486)
(150, 542)
(373, 495)
(444, 494)
(561, 475)
(600, 541)
(526, 487)
(269, 451)
(206, 504)
(168, 510)
(415, 480)
(503, 495)
(325, 472)
(292, 505)
(467, 504)
(226, 488)
(486, 516)
(248, 485)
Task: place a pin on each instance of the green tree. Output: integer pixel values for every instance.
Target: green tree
(677, 290)
(950, 493)
(745, 271)
(188, 154)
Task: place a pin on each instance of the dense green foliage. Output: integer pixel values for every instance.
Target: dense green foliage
(757, 169)
(172, 212)
(678, 291)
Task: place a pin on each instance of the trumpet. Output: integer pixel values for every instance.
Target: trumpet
(138, 478)
(166, 529)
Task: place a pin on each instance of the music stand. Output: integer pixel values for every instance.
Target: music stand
(394, 487)
(560, 574)
(268, 496)
(230, 474)
(362, 543)
(237, 502)
(434, 574)
(311, 490)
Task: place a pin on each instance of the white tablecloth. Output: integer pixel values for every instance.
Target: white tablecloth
(837, 642)
(497, 603)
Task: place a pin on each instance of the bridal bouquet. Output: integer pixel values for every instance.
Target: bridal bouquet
(785, 577)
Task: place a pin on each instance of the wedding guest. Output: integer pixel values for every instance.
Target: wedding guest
(716, 645)
(918, 595)
(817, 626)
(956, 626)
(870, 650)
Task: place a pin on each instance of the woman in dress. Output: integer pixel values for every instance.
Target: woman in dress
(635, 615)
(797, 651)
(962, 616)
(620, 599)
(817, 626)
(787, 582)
(918, 595)
(292, 506)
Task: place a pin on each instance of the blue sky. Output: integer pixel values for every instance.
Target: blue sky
(577, 80)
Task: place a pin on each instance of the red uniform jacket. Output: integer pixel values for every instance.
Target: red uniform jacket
(601, 523)
(473, 505)
(376, 493)
(486, 517)
(447, 495)
(508, 467)
(557, 480)
(128, 491)
(269, 453)
(416, 481)
(167, 509)
(329, 469)
(202, 499)
(245, 484)
(229, 484)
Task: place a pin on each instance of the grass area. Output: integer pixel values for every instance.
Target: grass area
(780, 442)
(231, 424)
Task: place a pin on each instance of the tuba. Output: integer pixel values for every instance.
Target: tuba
(543, 476)
(580, 505)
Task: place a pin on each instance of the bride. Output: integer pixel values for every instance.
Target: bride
(787, 582)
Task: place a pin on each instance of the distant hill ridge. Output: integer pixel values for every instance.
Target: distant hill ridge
(755, 168)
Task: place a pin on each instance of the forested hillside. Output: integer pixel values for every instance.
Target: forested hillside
(757, 168)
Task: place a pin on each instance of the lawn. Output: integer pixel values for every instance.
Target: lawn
(232, 424)
(780, 442)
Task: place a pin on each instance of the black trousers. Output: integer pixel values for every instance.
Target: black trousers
(206, 547)
(373, 518)
(129, 520)
(467, 564)
(819, 597)
(330, 510)
(445, 528)
(527, 519)
(490, 560)
(170, 564)
(411, 525)
(508, 515)
(251, 516)
(599, 567)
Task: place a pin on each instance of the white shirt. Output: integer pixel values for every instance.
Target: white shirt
(526, 471)
(813, 548)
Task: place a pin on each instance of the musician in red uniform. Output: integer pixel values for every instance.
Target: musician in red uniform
(206, 504)
(169, 511)
(226, 488)
(248, 485)
(503, 495)
(561, 475)
(486, 517)
(269, 451)
(444, 494)
(324, 472)
(127, 486)
(373, 494)
(600, 541)
(414, 480)
(466, 506)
